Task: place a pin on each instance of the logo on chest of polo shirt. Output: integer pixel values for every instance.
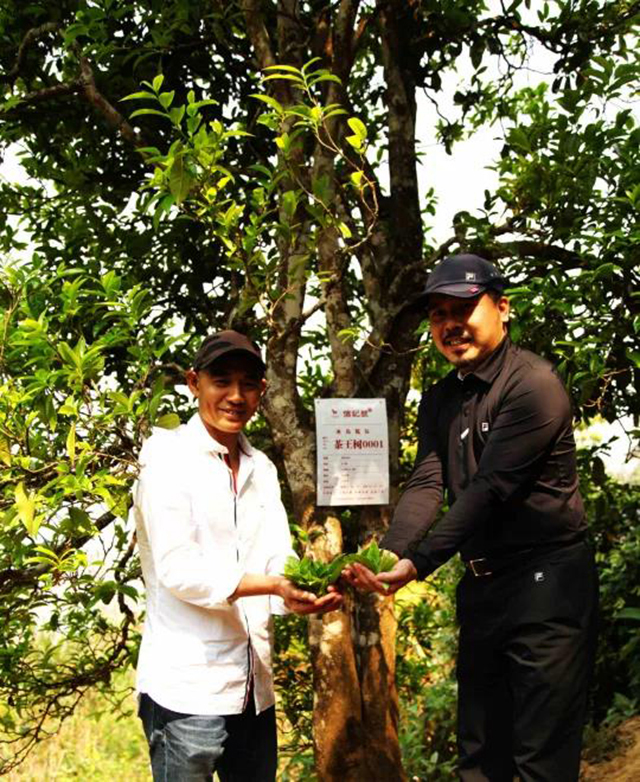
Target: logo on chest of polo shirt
(484, 426)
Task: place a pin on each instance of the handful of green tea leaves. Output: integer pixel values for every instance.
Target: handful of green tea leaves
(316, 576)
(312, 575)
(378, 560)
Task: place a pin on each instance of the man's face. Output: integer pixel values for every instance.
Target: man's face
(228, 395)
(465, 331)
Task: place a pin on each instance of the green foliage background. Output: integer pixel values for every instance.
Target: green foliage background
(169, 182)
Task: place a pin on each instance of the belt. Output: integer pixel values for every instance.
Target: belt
(492, 566)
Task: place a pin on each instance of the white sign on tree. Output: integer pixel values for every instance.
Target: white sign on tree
(353, 451)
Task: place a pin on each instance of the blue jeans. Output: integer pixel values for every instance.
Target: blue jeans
(190, 747)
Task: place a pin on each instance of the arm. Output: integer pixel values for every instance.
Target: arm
(275, 543)
(295, 599)
(535, 409)
(422, 495)
(169, 532)
(416, 509)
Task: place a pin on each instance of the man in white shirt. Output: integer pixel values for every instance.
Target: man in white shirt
(213, 538)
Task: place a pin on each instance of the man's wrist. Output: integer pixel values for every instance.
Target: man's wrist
(409, 566)
(423, 563)
(279, 583)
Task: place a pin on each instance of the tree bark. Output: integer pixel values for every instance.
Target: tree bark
(352, 651)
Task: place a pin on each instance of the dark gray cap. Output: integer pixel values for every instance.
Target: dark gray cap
(464, 276)
(223, 343)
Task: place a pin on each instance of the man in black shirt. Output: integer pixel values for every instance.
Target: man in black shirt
(496, 433)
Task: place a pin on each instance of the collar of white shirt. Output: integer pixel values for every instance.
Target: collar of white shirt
(202, 440)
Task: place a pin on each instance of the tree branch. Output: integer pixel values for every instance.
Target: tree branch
(86, 86)
(39, 96)
(529, 248)
(258, 34)
(98, 101)
(30, 37)
(12, 577)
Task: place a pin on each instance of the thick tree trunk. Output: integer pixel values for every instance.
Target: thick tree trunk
(353, 650)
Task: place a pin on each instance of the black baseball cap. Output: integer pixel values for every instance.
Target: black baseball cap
(463, 276)
(224, 343)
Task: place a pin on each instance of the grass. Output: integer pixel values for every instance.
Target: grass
(100, 745)
(94, 744)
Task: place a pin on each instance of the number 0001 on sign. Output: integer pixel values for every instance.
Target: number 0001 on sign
(353, 451)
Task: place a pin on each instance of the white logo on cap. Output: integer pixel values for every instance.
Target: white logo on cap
(469, 276)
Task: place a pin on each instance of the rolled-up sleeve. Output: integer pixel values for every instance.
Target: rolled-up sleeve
(164, 509)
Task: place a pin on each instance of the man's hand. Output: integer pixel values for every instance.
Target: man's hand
(301, 602)
(362, 578)
(400, 575)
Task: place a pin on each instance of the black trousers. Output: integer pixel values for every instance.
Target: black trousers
(527, 644)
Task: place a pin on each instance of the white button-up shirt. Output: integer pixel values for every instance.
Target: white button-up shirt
(197, 538)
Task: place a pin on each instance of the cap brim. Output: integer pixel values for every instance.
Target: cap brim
(461, 290)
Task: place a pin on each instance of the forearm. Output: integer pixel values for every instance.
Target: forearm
(252, 584)
(413, 517)
(470, 511)
(296, 600)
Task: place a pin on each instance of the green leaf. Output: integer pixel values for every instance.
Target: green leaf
(71, 442)
(139, 96)
(157, 82)
(140, 112)
(358, 127)
(163, 207)
(289, 203)
(345, 230)
(629, 613)
(168, 421)
(312, 575)
(176, 115)
(26, 505)
(325, 77)
(287, 76)
(634, 357)
(81, 520)
(166, 98)
(309, 63)
(518, 137)
(180, 180)
(288, 68)
(275, 105)
(5, 452)
(376, 559)
(68, 355)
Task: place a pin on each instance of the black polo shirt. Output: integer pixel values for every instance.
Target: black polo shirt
(500, 441)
